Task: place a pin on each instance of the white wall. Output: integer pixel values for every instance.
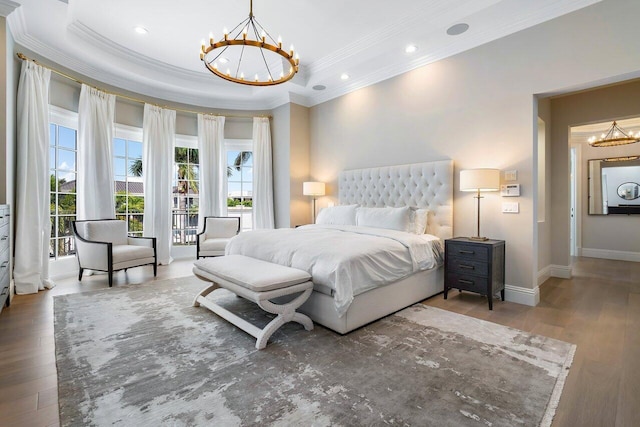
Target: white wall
(477, 108)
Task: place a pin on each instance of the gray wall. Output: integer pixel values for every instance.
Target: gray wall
(544, 224)
(619, 232)
(478, 109)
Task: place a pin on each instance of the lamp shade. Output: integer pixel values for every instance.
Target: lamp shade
(313, 188)
(480, 180)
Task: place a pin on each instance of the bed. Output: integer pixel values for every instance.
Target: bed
(421, 185)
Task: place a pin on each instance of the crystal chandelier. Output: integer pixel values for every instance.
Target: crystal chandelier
(614, 136)
(249, 48)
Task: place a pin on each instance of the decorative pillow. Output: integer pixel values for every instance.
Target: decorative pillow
(337, 215)
(419, 221)
(389, 218)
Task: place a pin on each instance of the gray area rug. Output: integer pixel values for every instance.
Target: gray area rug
(141, 355)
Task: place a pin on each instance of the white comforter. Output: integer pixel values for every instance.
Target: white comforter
(348, 259)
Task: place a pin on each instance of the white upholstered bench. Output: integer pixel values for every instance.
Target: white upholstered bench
(258, 281)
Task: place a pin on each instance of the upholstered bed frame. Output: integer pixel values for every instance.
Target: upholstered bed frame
(423, 185)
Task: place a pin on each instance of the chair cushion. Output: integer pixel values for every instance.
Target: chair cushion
(251, 273)
(106, 231)
(213, 245)
(122, 253)
(221, 227)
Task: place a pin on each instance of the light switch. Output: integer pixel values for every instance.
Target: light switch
(511, 175)
(510, 207)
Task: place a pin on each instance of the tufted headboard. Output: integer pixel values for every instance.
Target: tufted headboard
(422, 185)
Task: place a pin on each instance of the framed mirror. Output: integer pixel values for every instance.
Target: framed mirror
(614, 186)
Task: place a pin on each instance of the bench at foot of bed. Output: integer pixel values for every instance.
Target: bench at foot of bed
(257, 281)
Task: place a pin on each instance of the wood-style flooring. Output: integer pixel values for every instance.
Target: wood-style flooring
(598, 310)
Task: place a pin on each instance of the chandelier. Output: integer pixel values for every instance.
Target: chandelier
(614, 136)
(250, 48)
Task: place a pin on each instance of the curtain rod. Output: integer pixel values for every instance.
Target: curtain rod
(130, 98)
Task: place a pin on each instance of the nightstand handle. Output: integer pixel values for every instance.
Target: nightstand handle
(469, 267)
(466, 282)
(467, 252)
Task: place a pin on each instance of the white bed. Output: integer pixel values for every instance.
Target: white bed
(422, 185)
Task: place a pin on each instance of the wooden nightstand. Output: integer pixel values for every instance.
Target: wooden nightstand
(475, 266)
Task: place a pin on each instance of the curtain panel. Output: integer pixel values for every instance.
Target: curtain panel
(32, 224)
(95, 195)
(263, 216)
(213, 201)
(158, 139)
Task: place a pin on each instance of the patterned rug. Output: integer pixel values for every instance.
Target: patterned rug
(141, 355)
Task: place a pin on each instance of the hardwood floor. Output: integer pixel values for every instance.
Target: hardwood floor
(598, 310)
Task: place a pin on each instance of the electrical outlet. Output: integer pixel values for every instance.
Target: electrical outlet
(510, 207)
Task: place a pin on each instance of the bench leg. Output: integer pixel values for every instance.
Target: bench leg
(203, 293)
(285, 313)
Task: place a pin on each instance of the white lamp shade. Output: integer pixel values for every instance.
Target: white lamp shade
(313, 188)
(480, 180)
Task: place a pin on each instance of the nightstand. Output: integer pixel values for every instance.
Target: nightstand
(475, 266)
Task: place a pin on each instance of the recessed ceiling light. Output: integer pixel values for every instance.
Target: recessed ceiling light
(223, 60)
(411, 48)
(141, 30)
(344, 76)
(319, 87)
(457, 29)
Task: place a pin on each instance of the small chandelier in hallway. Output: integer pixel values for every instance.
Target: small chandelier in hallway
(614, 136)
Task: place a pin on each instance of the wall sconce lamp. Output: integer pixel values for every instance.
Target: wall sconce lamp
(479, 180)
(314, 189)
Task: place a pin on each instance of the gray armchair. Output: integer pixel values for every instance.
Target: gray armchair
(104, 245)
(217, 231)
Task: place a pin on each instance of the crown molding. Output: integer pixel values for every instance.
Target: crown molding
(8, 6)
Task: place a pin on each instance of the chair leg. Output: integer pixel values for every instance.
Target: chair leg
(110, 277)
(155, 269)
(80, 274)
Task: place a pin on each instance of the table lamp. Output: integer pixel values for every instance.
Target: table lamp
(314, 189)
(479, 180)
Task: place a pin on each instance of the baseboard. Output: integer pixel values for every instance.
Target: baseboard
(522, 295)
(544, 275)
(560, 271)
(609, 254)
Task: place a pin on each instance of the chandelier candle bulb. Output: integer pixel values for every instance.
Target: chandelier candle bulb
(210, 38)
(279, 42)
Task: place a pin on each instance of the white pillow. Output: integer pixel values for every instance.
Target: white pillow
(389, 218)
(337, 215)
(419, 221)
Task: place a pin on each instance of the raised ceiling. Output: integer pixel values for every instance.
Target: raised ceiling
(365, 39)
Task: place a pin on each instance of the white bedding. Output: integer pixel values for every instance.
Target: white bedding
(348, 259)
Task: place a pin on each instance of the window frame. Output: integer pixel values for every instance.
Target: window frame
(191, 142)
(133, 134)
(69, 119)
(238, 145)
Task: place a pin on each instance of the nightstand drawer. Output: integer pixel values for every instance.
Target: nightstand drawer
(475, 252)
(468, 266)
(467, 282)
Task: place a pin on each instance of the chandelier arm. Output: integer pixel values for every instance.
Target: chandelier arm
(240, 61)
(265, 31)
(265, 64)
(218, 56)
(242, 24)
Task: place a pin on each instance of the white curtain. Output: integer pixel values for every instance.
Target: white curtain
(212, 167)
(96, 113)
(158, 138)
(33, 226)
(262, 174)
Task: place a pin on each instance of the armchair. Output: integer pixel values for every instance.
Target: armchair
(104, 245)
(217, 231)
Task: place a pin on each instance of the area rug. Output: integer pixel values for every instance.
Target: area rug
(143, 356)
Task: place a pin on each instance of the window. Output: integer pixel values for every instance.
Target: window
(128, 174)
(239, 159)
(63, 172)
(186, 179)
